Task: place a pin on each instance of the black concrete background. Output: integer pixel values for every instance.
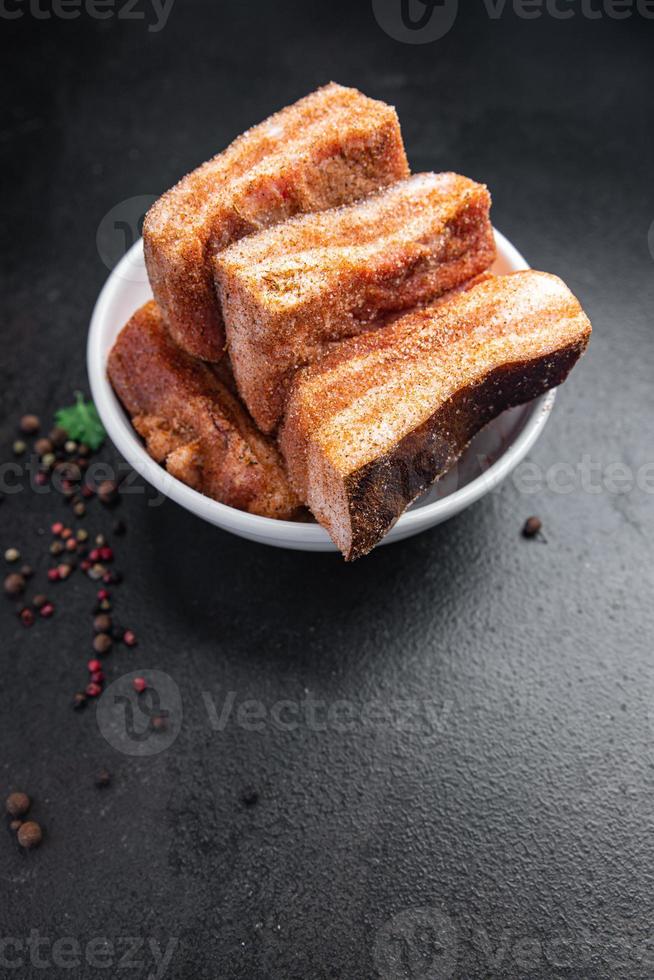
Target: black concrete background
(505, 828)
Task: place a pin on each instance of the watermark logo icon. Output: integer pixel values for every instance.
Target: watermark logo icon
(416, 21)
(120, 228)
(417, 944)
(140, 724)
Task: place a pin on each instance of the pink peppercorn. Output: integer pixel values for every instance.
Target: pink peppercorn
(26, 617)
(93, 689)
(139, 684)
(129, 638)
(103, 594)
(47, 610)
(94, 665)
(57, 528)
(53, 575)
(97, 677)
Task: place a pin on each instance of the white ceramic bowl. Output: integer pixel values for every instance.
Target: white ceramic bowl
(492, 455)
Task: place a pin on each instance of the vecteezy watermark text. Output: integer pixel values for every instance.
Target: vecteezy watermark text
(418, 716)
(425, 944)
(154, 13)
(42, 952)
(425, 21)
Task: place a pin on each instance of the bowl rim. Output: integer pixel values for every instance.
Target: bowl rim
(126, 441)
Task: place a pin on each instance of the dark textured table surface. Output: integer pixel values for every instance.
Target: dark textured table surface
(452, 741)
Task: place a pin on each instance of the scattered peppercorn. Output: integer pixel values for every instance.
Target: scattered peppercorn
(159, 723)
(26, 617)
(48, 460)
(57, 527)
(39, 600)
(102, 643)
(19, 447)
(249, 797)
(12, 555)
(58, 436)
(93, 690)
(79, 700)
(53, 575)
(14, 584)
(108, 492)
(27, 571)
(56, 548)
(104, 606)
(102, 778)
(139, 684)
(29, 424)
(29, 834)
(532, 527)
(64, 571)
(83, 450)
(82, 535)
(102, 623)
(15, 824)
(43, 446)
(103, 594)
(79, 509)
(17, 804)
(129, 638)
(47, 609)
(70, 446)
(71, 544)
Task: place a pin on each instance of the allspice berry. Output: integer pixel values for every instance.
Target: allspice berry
(29, 424)
(102, 643)
(102, 623)
(532, 527)
(108, 492)
(29, 834)
(58, 436)
(14, 584)
(17, 804)
(43, 446)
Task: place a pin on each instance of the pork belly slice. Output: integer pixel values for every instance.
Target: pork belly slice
(291, 290)
(193, 424)
(330, 148)
(384, 415)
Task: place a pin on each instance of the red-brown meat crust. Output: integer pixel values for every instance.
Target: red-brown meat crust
(193, 424)
(330, 148)
(290, 291)
(384, 415)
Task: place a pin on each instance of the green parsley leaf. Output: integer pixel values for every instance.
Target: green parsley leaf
(82, 422)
